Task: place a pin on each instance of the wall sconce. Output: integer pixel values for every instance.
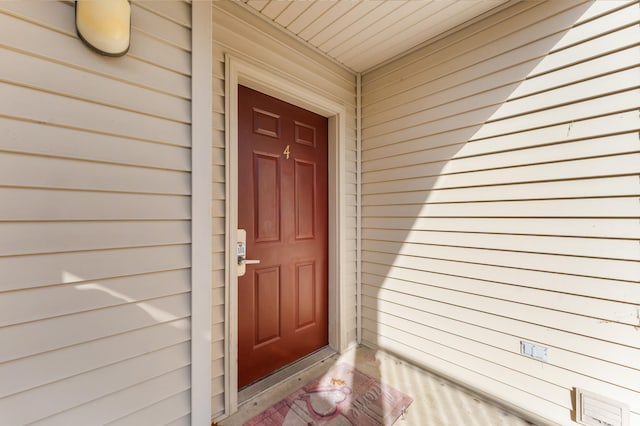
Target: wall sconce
(104, 25)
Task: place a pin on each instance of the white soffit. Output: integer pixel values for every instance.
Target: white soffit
(362, 34)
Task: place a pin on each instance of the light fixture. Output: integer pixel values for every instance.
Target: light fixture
(104, 25)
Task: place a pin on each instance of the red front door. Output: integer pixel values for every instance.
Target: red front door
(282, 204)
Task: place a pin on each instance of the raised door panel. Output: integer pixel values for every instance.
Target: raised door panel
(305, 288)
(305, 197)
(267, 197)
(266, 308)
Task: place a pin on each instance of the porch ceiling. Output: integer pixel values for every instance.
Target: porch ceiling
(362, 34)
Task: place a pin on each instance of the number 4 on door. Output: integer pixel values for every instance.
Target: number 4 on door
(287, 151)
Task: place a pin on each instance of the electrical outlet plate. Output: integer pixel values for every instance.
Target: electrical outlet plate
(534, 351)
(597, 410)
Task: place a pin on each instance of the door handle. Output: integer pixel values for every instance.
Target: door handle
(242, 253)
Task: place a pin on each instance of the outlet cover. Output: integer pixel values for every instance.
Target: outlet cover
(534, 351)
(597, 410)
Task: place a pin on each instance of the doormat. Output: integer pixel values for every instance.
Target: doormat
(343, 396)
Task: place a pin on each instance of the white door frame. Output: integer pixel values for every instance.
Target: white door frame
(276, 83)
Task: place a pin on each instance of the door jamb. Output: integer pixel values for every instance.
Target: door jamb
(278, 84)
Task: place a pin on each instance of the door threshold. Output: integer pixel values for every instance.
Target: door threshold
(253, 390)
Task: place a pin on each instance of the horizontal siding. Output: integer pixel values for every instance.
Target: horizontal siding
(182, 421)
(23, 137)
(172, 408)
(501, 203)
(587, 267)
(100, 383)
(39, 237)
(40, 336)
(78, 266)
(95, 220)
(578, 227)
(520, 25)
(561, 375)
(31, 104)
(575, 246)
(19, 307)
(588, 187)
(56, 41)
(23, 68)
(49, 367)
(241, 33)
(50, 204)
(443, 144)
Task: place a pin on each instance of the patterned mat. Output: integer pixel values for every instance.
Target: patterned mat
(343, 396)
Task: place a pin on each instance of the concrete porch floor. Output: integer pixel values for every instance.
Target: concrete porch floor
(437, 401)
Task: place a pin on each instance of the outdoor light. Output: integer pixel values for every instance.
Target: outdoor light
(104, 25)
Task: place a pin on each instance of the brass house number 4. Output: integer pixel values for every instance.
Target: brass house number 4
(287, 151)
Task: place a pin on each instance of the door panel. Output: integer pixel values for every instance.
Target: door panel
(282, 204)
(305, 196)
(305, 294)
(267, 306)
(266, 207)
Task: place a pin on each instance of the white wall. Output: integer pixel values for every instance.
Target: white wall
(242, 34)
(94, 219)
(501, 203)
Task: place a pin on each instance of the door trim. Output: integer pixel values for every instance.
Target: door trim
(201, 222)
(277, 84)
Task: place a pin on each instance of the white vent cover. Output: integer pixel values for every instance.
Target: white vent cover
(596, 410)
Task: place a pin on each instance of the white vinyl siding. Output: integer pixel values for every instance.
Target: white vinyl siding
(501, 202)
(240, 33)
(95, 213)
